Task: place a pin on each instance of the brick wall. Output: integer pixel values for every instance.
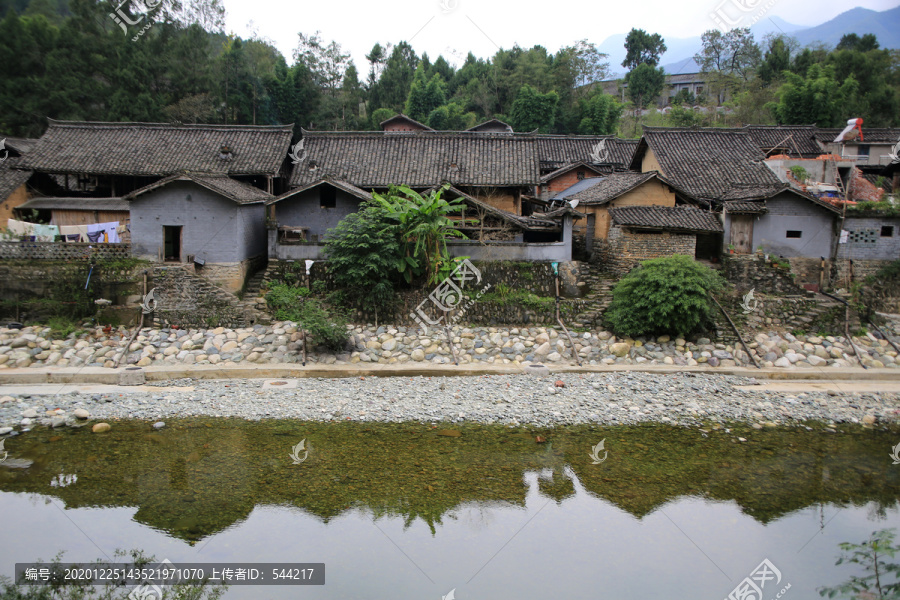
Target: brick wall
(866, 241)
(625, 249)
(57, 251)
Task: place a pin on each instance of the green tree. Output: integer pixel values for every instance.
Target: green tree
(643, 48)
(663, 295)
(814, 99)
(392, 87)
(601, 113)
(533, 110)
(424, 95)
(363, 252)
(776, 60)
(451, 117)
(379, 115)
(645, 83)
(851, 41)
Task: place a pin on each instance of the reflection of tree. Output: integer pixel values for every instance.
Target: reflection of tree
(192, 481)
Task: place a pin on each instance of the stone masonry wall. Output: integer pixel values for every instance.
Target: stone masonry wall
(625, 249)
(751, 272)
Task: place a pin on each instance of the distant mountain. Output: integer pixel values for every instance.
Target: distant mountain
(679, 56)
(885, 25)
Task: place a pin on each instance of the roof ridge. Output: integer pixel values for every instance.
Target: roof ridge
(148, 125)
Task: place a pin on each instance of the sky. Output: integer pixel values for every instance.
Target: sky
(455, 27)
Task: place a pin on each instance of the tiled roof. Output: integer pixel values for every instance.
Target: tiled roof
(158, 149)
(492, 125)
(20, 145)
(555, 151)
(871, 135)
(404, 119)
(746, 208)
(227, 187)
(11, 177)
(570, 167)
(708, 163)
(670, 218)
(795, 140)
(418, 159)
(76, 204)
(601, 190)
(341, 185)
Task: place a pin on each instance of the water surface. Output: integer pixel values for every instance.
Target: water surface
(411, 511)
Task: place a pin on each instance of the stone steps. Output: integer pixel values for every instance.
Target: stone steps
(241, 312)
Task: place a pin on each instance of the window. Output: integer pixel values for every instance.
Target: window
(580, 175)
(862, 149)
(887, 231)
(791, 233)
(328, 196)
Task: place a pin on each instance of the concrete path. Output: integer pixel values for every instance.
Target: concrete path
(100, 375)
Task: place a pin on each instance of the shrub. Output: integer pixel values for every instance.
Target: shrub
(293, 304)
(663, 295)
(363, 252)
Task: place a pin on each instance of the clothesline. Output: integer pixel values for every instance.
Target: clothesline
(96, 232)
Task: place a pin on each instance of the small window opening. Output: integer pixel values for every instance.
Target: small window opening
(794, 234)
(887, 231)
(328, 196)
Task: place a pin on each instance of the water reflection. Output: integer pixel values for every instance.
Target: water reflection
(407, 510)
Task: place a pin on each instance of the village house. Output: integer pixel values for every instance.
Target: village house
(13, 179)
(597, 197)
(726, 169)
(192, 195)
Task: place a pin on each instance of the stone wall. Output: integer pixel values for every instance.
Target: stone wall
(185, 299)
(860, 268)
(59, 251)
(623, 250)
(752, 272)
(812, 314)
(37, 289)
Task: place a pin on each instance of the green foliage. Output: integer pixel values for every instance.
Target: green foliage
(423, 231)
(601, 113)
(451, 117)
(799, 173)
(882, 579)
(425, 95)
(380, 115)
(293, 304)
(363, 253)
(642, 48)
(645, 83)
(817, 98)
(62, 327)
(319, 287)
(663, 295)
(507, 296)
(533, 110)
(885, 207)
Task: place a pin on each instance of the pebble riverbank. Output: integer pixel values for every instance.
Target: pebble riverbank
(33, 347)
(615, 398)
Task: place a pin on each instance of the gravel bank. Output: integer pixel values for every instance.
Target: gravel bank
(602, 398)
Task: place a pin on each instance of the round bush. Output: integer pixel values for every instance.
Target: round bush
(663, 296)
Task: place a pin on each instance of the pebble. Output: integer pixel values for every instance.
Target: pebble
(101, 427)
(612, 398)
(264, 345)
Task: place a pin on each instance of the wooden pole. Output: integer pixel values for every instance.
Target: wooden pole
(738, 333)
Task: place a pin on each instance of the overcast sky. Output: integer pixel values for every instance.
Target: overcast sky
(451, 27)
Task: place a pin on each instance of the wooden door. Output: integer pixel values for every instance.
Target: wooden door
(589, 232)
(742, 233)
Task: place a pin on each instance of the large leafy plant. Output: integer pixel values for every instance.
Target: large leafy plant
(424, 228)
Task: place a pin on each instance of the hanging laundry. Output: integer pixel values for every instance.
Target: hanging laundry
(74, 230)
(20, 228)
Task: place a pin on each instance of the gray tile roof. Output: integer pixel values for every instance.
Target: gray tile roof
(20, 145)
(495, 125)
(77, 204)
(708, 163)
(418, 159)
(555, 151)
(11, 177)
(159, 149)
(746, 208)
(871, 135)
(404, 119)
(570, 167)
(676, 218)
(341, 185)
(794, 140)
(600, 190)
(227, 187)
